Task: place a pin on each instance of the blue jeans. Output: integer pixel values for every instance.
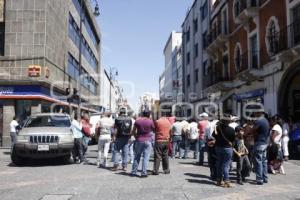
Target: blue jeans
(121, 144)
(201, 148)
(188, 143)
(141, 148)
(176, 145)
(224, 156)
(261, 163)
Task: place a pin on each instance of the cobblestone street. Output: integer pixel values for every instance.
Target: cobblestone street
(51, 180)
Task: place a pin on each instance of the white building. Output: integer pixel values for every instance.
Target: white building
(195, 59)
(169, 79)
(147, 101)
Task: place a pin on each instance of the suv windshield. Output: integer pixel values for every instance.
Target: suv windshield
(54, 121)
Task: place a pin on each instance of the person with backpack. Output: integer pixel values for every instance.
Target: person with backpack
(104, 131)
(123, 126)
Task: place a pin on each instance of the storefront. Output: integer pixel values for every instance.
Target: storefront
(248, 100)
(23, 100)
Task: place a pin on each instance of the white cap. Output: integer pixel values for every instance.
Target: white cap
(203, 115)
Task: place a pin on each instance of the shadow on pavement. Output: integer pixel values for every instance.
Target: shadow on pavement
(197, 175)
(41, 163)
(207, 182)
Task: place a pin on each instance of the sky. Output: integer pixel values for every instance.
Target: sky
(134, 34)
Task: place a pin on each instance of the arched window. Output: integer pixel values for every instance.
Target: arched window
(238, 58)
(237, 8)
(272, 37)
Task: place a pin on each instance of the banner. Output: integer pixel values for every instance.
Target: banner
(1, 10)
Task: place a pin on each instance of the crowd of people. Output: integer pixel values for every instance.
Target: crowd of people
(259, 145)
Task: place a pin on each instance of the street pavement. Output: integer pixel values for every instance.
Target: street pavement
(51, 180)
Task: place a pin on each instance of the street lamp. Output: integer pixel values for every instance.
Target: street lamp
(112, 73)
(82, 12)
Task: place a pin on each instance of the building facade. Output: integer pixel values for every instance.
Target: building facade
(39, 59)
(253, 48)
(195, 59)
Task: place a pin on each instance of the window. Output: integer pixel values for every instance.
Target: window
(196, 50)
(196, 76)
(85, 79)
(296, 25)
(74, 34)
(188, 36)
(205, 68)
(188, 58)
(273, 39)
(237, 8)
(254, 52)
(195, 25)
(73, 67)
(204, 10)
(188, 80)
(87, 22)
(204, 40)
(225, 68)
(237, 58)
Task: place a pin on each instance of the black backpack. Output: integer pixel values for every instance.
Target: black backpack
(123, 125)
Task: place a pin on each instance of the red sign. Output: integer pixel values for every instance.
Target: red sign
(34, 71)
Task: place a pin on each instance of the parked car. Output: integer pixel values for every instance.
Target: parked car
(294, 144)
(46, 135)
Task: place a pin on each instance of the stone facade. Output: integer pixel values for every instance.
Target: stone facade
(37, 33)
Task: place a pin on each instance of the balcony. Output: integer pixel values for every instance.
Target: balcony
(245, 10)
(214, 82)
(285, 44)
(248, 68)
(217, 37)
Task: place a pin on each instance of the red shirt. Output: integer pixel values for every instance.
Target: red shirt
(86, 128)
(162, 130)
(202, 125)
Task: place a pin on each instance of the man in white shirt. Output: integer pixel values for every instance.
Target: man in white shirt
(105, 126)
(13, 130)
(76, 127)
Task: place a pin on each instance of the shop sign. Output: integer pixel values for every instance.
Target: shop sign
(6, 90)
(34, 71)
(250, 95)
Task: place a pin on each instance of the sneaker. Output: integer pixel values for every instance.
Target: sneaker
(228, 185)
(240, 183)
(133, 175)
(266, 181)
(220, 183)
(115, 168)
(167, 172)
(155, 173)
(259, 183)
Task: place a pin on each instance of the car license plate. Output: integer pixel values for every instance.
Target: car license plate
(43, 147)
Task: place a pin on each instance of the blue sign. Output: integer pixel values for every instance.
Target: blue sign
(249, 95)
